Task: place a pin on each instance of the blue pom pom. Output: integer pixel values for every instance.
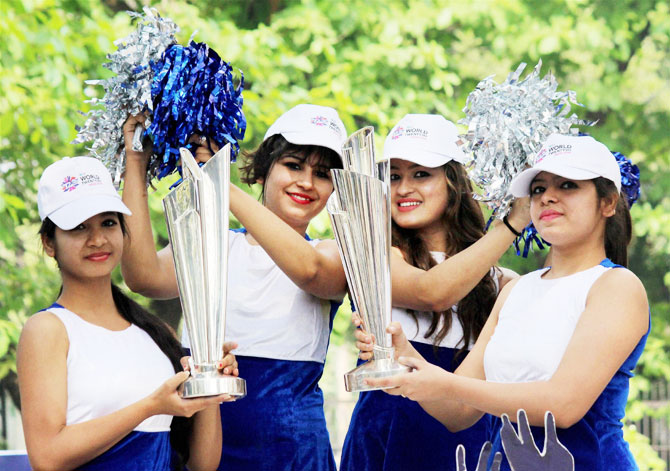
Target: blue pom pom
(193, 93)
(630, 178)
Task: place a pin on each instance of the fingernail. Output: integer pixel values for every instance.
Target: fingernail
(219, 365)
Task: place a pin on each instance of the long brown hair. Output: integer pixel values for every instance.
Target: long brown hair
(465, 223)
(618, 228)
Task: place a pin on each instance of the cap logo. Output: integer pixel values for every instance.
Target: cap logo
(397, 132)
(419, 133)
(90, 179)
(552, 151)
(69, 184)
(320, 121)
(324, 121)
(332, 125)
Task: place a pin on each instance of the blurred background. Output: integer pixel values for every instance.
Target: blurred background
(375, 61)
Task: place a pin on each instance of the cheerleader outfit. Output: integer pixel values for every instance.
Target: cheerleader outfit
(394, 433)
(283, 335)
(106, 371)
(534, 328)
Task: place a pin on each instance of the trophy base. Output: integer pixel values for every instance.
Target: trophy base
(373, 369)
(213, 383)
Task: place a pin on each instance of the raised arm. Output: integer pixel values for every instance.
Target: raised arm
(315, 269)
(448, 282)
(51, 444)
(145, 271)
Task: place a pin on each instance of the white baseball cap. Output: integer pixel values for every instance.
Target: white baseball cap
(74, 189)
(575, 157)
(311, 125)
(425, 139)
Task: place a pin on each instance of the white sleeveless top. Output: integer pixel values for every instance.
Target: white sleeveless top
(536, 324)
(415, 330)
(108, 370)
(267, 314)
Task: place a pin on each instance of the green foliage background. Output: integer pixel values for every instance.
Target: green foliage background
(374, 61)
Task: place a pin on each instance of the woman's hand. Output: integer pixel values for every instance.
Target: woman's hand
(519, 215)
(365, 342)
(426, 383)
(128, 136)
(166, 399)
(202, 153)
(228, 364)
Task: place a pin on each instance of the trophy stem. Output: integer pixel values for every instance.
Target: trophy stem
(382, 353)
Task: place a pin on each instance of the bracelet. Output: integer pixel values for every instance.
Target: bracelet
(509, 226)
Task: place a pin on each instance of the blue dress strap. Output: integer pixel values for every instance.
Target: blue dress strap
(243, 230)
(54, 305)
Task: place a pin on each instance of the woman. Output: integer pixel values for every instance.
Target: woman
(283, 289)
(564, 338)
(443, 289)
(97, 372)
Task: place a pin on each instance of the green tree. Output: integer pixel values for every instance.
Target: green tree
(374, 61)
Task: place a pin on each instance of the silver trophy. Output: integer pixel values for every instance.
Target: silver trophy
(197, 218)
(360, 213)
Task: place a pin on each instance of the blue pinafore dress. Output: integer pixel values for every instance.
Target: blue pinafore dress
(392, 433)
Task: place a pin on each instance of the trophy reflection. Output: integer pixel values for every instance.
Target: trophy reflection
(197, 217)
(360, 213)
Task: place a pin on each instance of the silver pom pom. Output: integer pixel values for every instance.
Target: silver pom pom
(128, 92)
(507, 125)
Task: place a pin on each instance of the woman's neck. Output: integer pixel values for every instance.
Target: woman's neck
(569, 260)
(434, 237)
(92, 300)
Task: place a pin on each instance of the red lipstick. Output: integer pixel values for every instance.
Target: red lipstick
(408, 204)
(549, 214)
(300, 198)
(98, 256)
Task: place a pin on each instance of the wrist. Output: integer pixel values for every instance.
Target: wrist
(149, 406)
(512, 228)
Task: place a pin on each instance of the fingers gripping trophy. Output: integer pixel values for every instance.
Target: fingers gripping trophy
(360, 213)
(197, 218)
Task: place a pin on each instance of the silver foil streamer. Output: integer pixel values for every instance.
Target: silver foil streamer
(507, 125)
(128, 92)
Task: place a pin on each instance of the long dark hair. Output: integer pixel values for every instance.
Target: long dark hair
(618, 228)
(160, 333)
(259, 162)
(465, 222)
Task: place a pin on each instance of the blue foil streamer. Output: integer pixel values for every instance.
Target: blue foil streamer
(630, 178)
(193, 93)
